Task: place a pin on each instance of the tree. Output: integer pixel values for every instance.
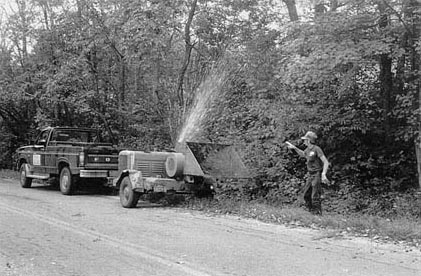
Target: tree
(292, 9)
(348, 70)
(413, 12)
(385, 76)
(187, 53)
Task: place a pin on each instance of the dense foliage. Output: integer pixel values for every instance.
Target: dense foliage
(254, 73)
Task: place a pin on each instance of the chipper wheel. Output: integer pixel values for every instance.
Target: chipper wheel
(128, 197)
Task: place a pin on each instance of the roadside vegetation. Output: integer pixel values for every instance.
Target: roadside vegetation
(261, 73)
(11, 174)
(397, 229)
(400, 226)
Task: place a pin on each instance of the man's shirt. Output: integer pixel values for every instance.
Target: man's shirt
(313, 154)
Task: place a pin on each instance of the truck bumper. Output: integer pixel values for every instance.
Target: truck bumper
(160, 185)
(97, 173)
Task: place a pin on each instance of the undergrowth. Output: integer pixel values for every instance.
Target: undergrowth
(396, 229)
(9, 174)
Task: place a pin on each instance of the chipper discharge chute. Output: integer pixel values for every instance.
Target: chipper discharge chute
(192, 168)
(217, 161)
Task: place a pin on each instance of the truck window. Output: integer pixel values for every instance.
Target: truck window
(75, 136)
(59, 136)
(42, 138)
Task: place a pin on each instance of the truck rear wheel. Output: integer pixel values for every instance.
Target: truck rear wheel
(25, 181)
(66, 181)
(128, 197)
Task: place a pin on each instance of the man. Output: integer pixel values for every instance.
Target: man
(317, 165)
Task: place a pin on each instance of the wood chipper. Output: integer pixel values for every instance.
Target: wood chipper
(192, 168)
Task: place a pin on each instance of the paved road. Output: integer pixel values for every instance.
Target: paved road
(45, 233)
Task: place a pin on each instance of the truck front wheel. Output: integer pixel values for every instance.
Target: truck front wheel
(66, 181)
(128, 197)
(25, 181)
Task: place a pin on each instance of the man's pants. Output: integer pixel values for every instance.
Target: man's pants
(313, 193)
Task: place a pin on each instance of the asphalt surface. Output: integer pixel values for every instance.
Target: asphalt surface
(45, 233)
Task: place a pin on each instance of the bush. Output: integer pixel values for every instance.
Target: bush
(407, 204)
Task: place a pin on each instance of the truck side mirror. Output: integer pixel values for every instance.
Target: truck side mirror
(42, 142)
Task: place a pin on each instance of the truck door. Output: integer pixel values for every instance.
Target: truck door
(52, 151)
(38, 157)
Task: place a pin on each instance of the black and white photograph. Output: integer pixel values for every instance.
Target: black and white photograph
(210, 137)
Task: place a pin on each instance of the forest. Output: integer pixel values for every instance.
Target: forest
(253, 73)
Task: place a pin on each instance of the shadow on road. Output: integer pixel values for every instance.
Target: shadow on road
(82, 189)
(148, 205)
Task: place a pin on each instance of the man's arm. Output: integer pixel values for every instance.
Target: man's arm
(297, 150)
(325, 167)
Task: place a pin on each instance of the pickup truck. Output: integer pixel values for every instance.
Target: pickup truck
(74, 155)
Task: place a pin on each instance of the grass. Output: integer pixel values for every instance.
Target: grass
(9, 174)
(401, 229)
(407, 230)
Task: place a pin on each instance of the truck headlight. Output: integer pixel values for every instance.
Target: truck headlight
(81, 159)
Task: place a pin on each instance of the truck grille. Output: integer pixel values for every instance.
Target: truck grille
(103, 159)
(151, 168)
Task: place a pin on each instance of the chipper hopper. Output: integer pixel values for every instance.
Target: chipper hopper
(193, 168)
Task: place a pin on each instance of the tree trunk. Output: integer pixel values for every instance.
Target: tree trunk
(386, 79)
(122, 93)
(418, 153)
(333, 5)
(386, 92)
(418, 106)
(417, 30)
(292, 9)
(21, 42)
(187, 53)
(413, 13)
